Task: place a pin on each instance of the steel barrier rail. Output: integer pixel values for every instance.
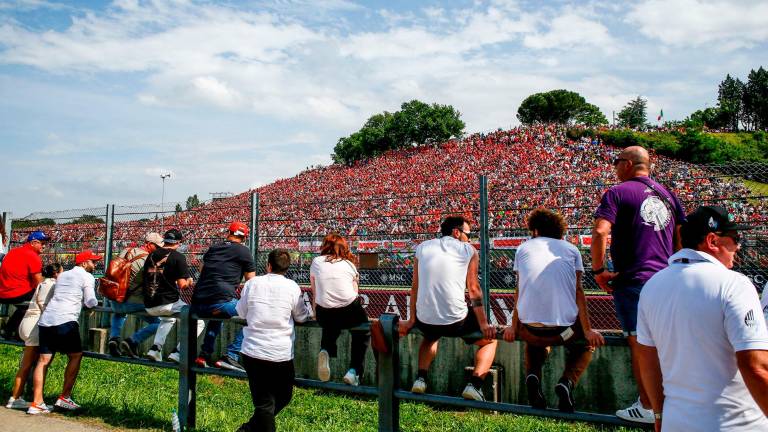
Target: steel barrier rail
(387, 390)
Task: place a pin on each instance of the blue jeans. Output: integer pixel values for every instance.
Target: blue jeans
(625, 299)
(213, 328)
(118, 320)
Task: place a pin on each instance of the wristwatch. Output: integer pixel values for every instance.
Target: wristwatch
(598, 271)
(657, 415)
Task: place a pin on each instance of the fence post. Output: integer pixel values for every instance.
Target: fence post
(187, 377)
(109, 224)
(7, 243)
(484, 246)
(389, 375)
(254, 237)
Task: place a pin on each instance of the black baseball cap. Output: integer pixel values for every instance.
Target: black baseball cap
(172, 236)
(710, 219)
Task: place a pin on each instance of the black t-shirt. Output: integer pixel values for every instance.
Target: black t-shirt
(174, 268)
(223, 268)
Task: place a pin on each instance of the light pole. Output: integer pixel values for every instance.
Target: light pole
(162, 201)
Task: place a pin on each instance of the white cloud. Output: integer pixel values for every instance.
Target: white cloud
(726, 25)
(572, 31)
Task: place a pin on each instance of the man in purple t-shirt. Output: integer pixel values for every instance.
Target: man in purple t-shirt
(643, 219)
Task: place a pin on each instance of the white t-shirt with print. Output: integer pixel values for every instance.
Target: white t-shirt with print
(698, 315)
(547, 292)
(334, 281)
(442, 267)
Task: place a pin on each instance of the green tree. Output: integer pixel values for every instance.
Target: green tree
(755, 100)
(730, 95)
(28, 223)
(192, 202)
(633, 115)
(591, 116)
(178, 208)
(88, 219)
(712, 118)
(416, 123)
(559, 106)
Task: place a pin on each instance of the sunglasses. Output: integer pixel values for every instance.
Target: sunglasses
(733, 235)
(618, 160)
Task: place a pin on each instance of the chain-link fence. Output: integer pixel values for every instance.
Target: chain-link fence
(384, 230)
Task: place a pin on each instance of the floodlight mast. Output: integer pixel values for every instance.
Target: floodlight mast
(162, 202)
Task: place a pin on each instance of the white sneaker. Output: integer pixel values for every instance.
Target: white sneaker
(155, 353)
(323, 366)
(66, 403)
(471, 393)
(174, 357)
(19, 403)
(419, 386)
(636, 413)
(39, 409)
(352, 378)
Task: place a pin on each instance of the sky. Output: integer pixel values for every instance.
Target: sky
(98, 99)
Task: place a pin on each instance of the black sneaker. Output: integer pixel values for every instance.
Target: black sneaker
(129, 348)
(113, 346)
(535, 395)
(564, 391)
(227, 362)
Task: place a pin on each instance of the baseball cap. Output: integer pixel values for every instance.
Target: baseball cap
(172, 236)
(37, 235)
(238, 228)
(85, 256)
(710, 219)
(154, 238)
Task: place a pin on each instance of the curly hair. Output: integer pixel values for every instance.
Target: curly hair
(547, 223)
(334, 247)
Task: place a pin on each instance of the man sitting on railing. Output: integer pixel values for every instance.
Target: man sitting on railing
(19, 276)
(443, 271)
(551, 308)
(270, 304)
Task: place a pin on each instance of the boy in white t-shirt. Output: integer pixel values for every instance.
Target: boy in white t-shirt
(551, 308)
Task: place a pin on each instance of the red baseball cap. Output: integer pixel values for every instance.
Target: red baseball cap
(238, 228)
(85, 256)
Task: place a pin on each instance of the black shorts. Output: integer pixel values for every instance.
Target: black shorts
(63, 338)
(462, 329)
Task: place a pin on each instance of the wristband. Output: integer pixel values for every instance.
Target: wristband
(476, 302)
(598, 271)
(657, 415)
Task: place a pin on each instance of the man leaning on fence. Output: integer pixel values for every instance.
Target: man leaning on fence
(703, 342)
(224, 266)
(20, 274)
(443, 271)
(270, 304)
(550, 308)
(134, 302)
(59, 330)
(643, 219)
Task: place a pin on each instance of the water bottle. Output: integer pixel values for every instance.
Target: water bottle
(176, 424)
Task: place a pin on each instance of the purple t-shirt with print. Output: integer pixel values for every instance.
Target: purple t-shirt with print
(642, 230)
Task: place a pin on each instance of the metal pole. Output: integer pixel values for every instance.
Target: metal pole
(484, 246)
(389, 376)
(8, 228)
(187, 377)
(109, 224)
(254, 235)
(162, 202)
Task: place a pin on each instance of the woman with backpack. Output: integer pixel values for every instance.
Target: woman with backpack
(30, 334)
(334, 279)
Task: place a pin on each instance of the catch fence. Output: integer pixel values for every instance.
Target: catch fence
(384, 230)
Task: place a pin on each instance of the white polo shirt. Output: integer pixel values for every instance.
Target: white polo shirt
(74, 289)
(698, 314)
(335, 281)
(270, 304)
(547, 293)
(443, 264)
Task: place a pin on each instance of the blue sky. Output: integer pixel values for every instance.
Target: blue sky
(98, 98)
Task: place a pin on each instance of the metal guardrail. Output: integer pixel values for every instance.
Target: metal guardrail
(387, 391)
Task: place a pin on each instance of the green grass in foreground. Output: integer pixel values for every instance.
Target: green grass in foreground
(138, 397)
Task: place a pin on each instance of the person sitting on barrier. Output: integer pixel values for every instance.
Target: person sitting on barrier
(134, 302)
(444, 270)
(60, 331)
(214, 296)
(270, 304)
(29, 333)
(20, 274)
(334, 279)
(165, 273)
(550, 308)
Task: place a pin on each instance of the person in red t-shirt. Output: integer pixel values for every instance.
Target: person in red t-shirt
(20, 274)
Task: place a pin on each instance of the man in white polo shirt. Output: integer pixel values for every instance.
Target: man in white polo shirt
(702, 336)
(444, 271)
(60, 331)
(270, 305)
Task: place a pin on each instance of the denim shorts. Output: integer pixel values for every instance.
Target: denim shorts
(625, 299)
